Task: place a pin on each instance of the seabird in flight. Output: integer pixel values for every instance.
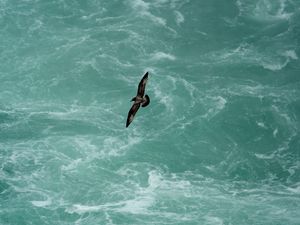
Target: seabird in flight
(138, 100)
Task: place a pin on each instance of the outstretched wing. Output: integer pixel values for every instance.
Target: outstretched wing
(142, 85)
(131, 113)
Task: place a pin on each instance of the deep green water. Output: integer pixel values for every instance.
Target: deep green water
(219, 143)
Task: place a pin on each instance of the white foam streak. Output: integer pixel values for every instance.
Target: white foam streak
(164, 99)
(295, 189)
(245, 53)
(283, 59)
(291, 54)
(115, 60)
(42, 203)
(275, 133)
(264, 156)
(161, 55)
(219, 105)
(73, 165)
(213, 220)
(138, 205)
(142, 8)
(261, 124)
(178, 17)
(144, 197)
(114, 146)
(264, 10)
(274, 67)
(140, 5)
(81, 209)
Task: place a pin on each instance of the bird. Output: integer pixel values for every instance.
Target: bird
(138, 100)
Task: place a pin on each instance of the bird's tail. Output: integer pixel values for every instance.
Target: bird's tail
(146, 102)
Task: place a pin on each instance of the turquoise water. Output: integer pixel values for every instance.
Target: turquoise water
(219, 143)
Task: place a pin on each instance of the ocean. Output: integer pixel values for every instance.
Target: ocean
(219, 144)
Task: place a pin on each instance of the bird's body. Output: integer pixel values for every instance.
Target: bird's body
(138, 100)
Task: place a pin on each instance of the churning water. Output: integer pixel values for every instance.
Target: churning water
(219, 143)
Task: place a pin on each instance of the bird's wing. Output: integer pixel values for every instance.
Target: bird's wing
(131, 113)
(142, 85)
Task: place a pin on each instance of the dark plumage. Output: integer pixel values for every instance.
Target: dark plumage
(139, 99)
